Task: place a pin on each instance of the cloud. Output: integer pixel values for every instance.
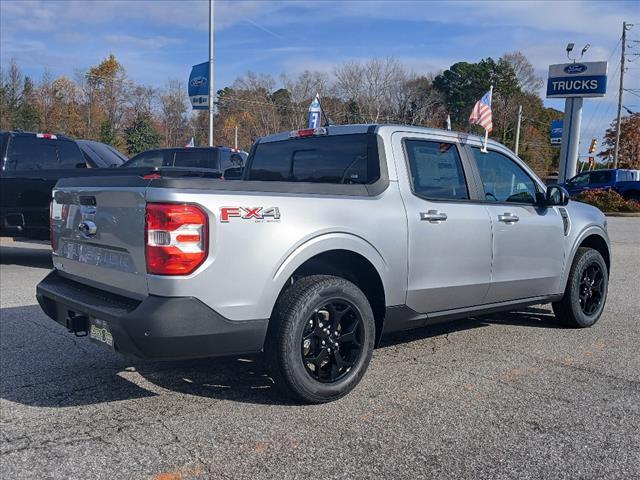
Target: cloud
(151, 42)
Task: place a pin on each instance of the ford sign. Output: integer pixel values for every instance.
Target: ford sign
(575, 68)
(198, 81)
(585, 79)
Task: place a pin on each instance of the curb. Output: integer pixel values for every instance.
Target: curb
(623, 214)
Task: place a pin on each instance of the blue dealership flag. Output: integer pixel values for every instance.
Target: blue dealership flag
(555, 134)
(199, 86)
(314, 112)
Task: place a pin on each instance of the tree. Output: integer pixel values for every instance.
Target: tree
(141, 135)
(528, 81)
(28, 117)
(173, 113)
(109, 85)
(10, 96)
(108, 134)
(463, 84)
(629, 150)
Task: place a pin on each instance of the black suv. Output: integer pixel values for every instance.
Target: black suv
(229, 162)
(30, 166)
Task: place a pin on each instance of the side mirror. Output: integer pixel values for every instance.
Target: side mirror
(556, 196)
(81, 165)
(234, 173)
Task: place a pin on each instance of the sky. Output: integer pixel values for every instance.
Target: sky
(158, 40)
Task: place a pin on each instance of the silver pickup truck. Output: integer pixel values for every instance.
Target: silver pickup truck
(334, 237)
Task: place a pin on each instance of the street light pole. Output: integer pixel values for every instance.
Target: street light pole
(211, 90)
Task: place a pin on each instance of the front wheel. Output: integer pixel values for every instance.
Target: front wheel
(321, 338)
(586, 291)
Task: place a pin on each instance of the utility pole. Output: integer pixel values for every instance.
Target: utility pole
(518, 129)
(211, 26)
(620, 91)
(236, 138)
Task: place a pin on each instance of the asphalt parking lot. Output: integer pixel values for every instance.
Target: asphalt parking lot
(504, 396)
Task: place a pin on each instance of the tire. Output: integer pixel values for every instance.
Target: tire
(586, 292)
(298, 329)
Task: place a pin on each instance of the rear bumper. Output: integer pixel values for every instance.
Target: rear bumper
(160, 328)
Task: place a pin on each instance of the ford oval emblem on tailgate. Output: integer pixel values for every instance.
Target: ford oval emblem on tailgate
(88, 228)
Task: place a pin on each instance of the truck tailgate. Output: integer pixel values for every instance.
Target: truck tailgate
(98, 233)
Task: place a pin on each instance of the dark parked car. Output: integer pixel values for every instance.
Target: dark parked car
(30, 166)
(229, 162)
(620, 180)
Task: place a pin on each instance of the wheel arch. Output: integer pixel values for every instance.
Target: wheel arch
(342, 255)
(592, 237)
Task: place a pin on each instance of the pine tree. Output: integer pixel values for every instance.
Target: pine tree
(28, 117)
(108, 134)
(141, 135)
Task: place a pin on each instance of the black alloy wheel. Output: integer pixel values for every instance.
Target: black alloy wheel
(591, 288)
(332, 340)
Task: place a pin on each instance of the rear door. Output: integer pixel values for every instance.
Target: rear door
(528, 240)
(449, 235)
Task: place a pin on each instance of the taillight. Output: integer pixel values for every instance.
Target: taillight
(176, 242)
(47, 136)
(308, 132)
(51, 236)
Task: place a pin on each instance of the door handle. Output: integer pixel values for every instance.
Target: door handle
(508, 218)
(433, 216)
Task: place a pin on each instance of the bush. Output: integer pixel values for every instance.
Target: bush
(608, 200)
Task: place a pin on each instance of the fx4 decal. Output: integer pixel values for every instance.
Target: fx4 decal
(249, 213)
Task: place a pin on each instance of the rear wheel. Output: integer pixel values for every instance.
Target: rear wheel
(586, 291)
(321, 338)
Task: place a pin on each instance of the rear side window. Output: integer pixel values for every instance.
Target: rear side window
(341, 159)
(32, 153)
(151, 158)
(69, 155)
(600, 177)
(195, 158)
(436, 170)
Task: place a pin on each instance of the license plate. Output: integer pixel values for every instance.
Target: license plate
(99, 332)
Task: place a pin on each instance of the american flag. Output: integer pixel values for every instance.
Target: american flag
(481, 113)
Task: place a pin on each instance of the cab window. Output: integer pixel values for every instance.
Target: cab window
(600, 177)
(436, 170)
(195, 158)
(503, 179)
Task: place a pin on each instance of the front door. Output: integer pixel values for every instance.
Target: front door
(449, 236)
(528, 240)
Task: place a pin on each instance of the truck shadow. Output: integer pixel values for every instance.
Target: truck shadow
(25, 256)
(45, 366)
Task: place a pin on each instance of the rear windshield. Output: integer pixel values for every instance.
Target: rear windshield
(347, 159)
(33, 153)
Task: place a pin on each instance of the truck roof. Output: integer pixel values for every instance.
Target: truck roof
(385, 128)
